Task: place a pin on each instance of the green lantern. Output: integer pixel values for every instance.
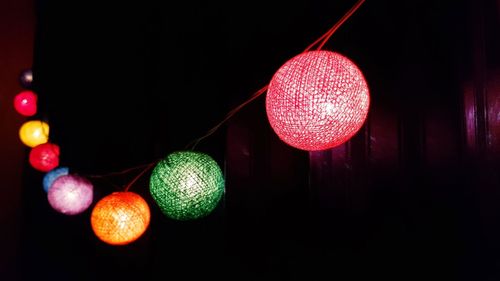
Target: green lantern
(187, 185)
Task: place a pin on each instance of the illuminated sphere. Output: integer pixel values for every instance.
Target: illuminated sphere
(34, 132)
(70, 194)
(26, 78)
(44, 157)
(187, 185)
(317, 100)
(120, 218)
(52, 175)
(25, 103)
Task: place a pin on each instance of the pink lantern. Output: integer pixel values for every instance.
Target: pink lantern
(317, 100)
(70, 194)
(44, 157)
(25, 103)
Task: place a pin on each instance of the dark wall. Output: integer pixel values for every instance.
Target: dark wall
(412, 194)
(17, 27)
(415, 192)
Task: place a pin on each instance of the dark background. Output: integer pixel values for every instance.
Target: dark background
(414, 195)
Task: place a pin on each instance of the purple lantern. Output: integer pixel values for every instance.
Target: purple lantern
(70, 194)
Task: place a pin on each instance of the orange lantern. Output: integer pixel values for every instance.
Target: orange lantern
(120, 218)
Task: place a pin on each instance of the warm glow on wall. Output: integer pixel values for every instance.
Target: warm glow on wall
(120, 218)
(34, 132)
(317, 100)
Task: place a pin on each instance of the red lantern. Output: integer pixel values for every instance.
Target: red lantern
(317, 100)
(25, 103)
(44, 157)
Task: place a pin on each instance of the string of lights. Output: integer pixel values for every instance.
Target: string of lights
(315, 101)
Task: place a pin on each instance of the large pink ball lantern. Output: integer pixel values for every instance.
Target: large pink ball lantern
(44, 157)
(71, 194)
(317, 100)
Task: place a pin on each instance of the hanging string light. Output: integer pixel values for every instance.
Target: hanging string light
(44, 157)
(317, 100)
(34, 132)
(120, 218)
(25, 103)
(319, 43)
(70, 194)
(187, 185)
(52, 175)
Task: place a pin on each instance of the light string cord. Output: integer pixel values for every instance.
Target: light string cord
(334, 28)
(149, 166)
(146, 167)
(322, 40)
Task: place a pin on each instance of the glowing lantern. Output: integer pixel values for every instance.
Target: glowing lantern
(317, 100)
(25, 103)
(44, 157)
(52, 175)
(120, 218)
(34, 132)
(187, 185)
(70, 194)
(26, 78)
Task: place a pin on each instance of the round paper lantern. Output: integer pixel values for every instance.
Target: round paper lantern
(70, 194)
(317, 100)
(44, 157)
(187, 185)
(120, 218)
(52, 175)
(26, 78)
(25, 103)
(34, 132)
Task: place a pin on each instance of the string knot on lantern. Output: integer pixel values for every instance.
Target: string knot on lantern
(26, 78)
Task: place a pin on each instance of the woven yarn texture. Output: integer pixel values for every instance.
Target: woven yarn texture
(187, 185)
(317, 100)
(34, 132)
(44, 157)
(70, 194)
(120, 218)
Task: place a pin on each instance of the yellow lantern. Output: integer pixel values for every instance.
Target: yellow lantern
(34, 132)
